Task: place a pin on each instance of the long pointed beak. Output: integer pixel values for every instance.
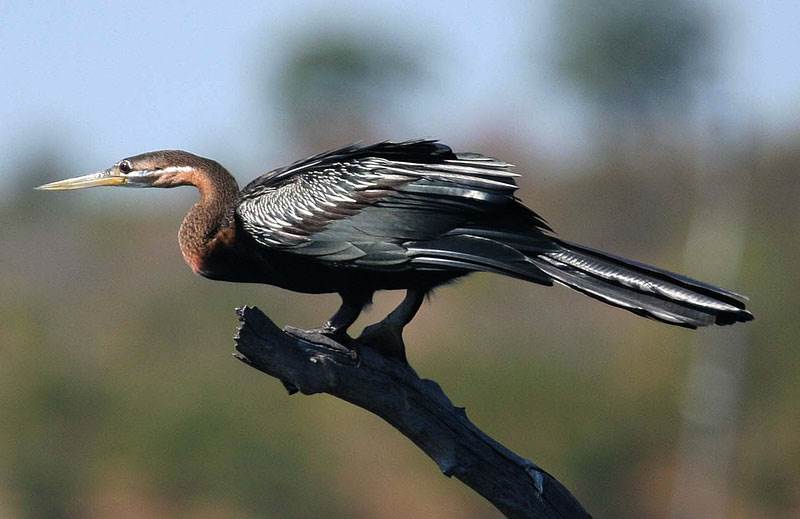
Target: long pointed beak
(102, 178)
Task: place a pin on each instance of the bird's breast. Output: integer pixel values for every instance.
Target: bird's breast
(207, 256)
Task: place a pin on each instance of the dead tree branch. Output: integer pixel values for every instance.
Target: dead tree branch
(416, 407)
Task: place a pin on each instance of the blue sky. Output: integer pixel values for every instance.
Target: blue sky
(110, 80)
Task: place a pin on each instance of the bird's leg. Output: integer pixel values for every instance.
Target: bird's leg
(386, 336)
(335, 329)
(344, 317)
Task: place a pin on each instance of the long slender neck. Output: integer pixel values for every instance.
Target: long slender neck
(210, 216)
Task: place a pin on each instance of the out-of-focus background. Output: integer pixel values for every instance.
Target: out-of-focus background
(666, 131)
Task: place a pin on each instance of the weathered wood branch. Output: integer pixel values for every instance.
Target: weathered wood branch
(416, 407)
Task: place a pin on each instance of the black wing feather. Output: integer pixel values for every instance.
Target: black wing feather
(371, 206)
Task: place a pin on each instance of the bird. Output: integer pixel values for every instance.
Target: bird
(395, 215)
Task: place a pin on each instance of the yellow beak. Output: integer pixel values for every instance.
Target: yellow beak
(102, 178)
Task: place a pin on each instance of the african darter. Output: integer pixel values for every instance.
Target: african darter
(395, 215)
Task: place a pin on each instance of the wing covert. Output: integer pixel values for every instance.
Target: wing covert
(362, 205)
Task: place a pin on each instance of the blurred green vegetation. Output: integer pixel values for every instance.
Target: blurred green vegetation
(335, 83)
(119, 396)
(634, 57)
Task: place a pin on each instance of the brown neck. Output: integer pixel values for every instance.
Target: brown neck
(211, 216)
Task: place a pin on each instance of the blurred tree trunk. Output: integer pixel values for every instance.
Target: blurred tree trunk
(714, 251)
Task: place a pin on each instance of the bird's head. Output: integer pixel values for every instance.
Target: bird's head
(167, 168)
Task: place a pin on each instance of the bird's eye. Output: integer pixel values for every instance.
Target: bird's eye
(125, 167)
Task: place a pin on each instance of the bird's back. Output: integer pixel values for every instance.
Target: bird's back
(362, 206)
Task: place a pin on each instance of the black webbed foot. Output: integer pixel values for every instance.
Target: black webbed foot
(326, 336)
(385, 338)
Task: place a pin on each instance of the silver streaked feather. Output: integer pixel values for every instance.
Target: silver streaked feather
(318, 196)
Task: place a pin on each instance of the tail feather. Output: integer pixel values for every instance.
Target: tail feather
(475, 253)
(733, 298)
(638, 303)
(642, 289)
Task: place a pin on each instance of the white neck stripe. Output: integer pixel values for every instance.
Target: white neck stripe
(177, 169)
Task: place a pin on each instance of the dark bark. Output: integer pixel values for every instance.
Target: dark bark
(416, 407)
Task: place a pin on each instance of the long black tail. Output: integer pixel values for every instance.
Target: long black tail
(634, 286)
(641, 289)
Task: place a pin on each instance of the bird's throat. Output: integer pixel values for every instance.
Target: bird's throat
(208, 223)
